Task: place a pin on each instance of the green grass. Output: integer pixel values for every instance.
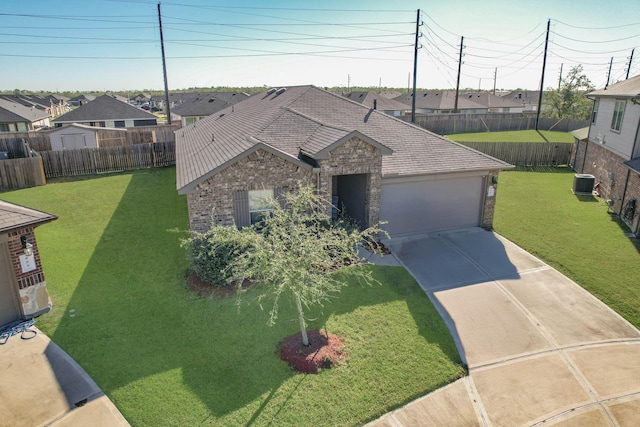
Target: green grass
(513, 136)
(575, 234)
(167, 357)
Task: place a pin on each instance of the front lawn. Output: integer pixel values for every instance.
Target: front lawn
(574, 234)
(513, 136)
(116, 274)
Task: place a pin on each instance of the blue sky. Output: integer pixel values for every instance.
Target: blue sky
(114, 44)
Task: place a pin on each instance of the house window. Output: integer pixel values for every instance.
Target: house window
(594, 114)
(259, 204)
(618, 114)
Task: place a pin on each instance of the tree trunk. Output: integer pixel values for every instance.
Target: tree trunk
(303, 327)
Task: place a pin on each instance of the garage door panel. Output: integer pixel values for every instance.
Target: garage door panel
(431, 205)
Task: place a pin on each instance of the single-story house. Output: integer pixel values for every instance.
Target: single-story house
(611, 150)
(379, 102)
(15, 117)
(190, 109)
(107, 111)
(374, 167)
(23, 290)
(81, 99)
(76, 136)
(527, 99)
(444, 102)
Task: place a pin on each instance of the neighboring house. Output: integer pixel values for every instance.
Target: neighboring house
(106, 111)
(79, 100)
(493, 103)
(76, 136)
(23, 290)
(194, 108)
(15, 117)
(371, 165)
(379, 102)
(444, 102)
(53, 104)
(526, 99)
(611, 152)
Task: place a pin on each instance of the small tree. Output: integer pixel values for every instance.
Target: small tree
(299, 251)
(569, 101)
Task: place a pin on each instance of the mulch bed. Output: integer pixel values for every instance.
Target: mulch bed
(323, 351)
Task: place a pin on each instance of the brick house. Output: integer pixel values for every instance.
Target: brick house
(23, 290)
(372, 166)
(611, 151)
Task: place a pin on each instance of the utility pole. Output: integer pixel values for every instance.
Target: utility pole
(629, 64)
(167, 108)
(609, 73)
(415, 69)
(560, 78)
(455, 105)
(495, 77)
(544, 65)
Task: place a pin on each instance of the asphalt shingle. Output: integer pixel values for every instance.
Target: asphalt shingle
(311, 118)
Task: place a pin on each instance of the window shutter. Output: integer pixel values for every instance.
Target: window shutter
(241, 214)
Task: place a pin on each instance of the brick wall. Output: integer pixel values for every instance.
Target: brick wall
(355, 157)
(212, 200)
(490, 194)
(614, 180)
(34, 297)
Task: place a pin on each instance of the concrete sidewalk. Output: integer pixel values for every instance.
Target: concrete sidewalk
(42, 386)
(539, 348)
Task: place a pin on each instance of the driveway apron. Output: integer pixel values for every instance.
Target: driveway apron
(539, 348)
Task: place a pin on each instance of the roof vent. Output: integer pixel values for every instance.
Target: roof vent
(213, 137)
(281, 90)
(211, 99)
(270, 91)
(361, 95)
(424, 94)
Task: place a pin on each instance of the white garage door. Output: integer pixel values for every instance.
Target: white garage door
(421, 205)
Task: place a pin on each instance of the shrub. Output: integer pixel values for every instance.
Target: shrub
(211, 254)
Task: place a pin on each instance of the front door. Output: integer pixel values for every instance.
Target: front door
(9, 309)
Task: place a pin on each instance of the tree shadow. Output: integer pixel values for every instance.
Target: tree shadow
(133, 317)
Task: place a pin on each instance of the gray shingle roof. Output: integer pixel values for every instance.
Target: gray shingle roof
(628, 88)
(207, 104)
(12, 112)
(312, 119)
(382, 102)
(439, 100)
(14, 216)
(634, 165)
(104, 107)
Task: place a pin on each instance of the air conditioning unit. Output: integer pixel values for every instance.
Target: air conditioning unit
(583, 184)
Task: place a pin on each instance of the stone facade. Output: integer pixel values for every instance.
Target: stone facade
(355, 157)
(34, 297)
(211, 203)
(614, 181)
(212, 200)
(489, 205)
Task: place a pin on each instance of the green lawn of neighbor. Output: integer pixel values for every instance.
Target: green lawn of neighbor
(116, 274)
(574, 234)
(513, 136)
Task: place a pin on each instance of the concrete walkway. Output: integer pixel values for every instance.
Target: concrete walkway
(42, 386)
(539, 348)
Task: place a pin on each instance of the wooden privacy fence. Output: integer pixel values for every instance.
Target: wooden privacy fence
(87, 161)
(447, 124)
(526, 153)
(21, 173)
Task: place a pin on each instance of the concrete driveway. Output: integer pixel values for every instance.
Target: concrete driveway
(539, 348)
(40, 385)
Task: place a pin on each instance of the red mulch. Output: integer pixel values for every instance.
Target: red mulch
(323, 351)
(205, 289)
